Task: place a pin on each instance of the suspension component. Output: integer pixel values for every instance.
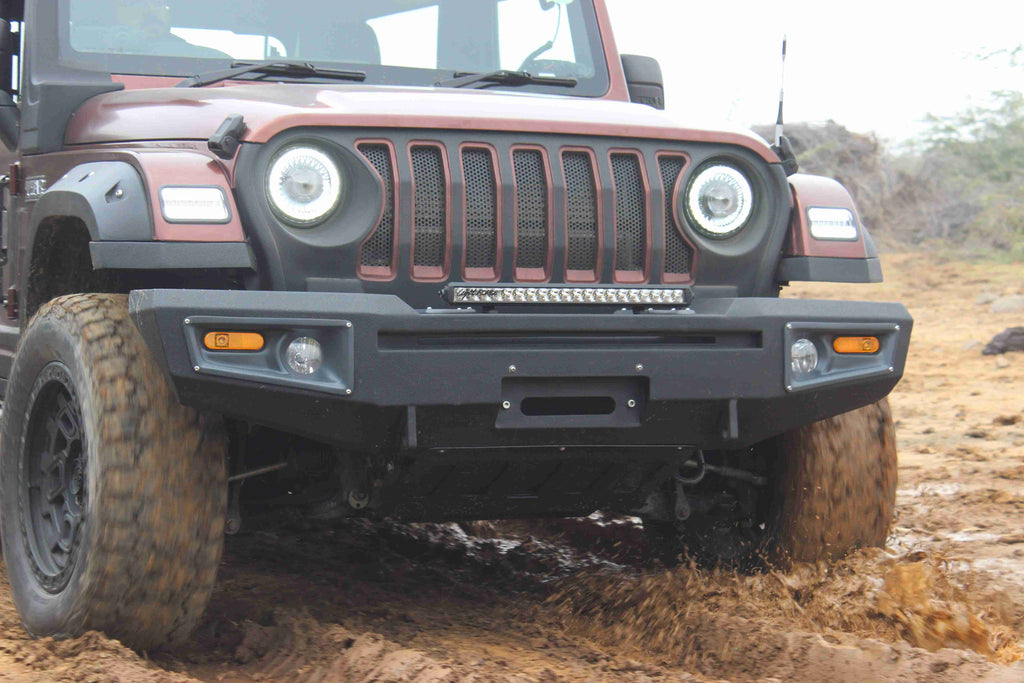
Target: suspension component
(702, 470)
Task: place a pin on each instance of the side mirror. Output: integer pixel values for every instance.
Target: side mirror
(6, 39)
(643, 77)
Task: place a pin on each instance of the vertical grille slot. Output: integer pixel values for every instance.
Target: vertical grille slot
(678, 252)
(377, 254)
(631, 218)
(532, 215)
(582, 217)
(430, 213)
(482, 213)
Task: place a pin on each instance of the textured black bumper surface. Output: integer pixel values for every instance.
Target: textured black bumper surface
(712, 376)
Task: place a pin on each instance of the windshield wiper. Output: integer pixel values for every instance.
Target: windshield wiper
(504, 77)
(274, 67)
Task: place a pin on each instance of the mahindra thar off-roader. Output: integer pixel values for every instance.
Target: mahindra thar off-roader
(417, 259)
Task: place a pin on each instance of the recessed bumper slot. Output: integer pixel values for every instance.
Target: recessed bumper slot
(538, 406)
(572, 402)
(471, 341)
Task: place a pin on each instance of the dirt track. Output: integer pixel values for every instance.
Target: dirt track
(573, 601)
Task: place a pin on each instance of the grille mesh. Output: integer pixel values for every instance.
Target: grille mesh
(678, 254)
(581, 211)
(430, 217)
(481, 209)
(532, 209)
(602, 198)
(630, 213)
(378, 249)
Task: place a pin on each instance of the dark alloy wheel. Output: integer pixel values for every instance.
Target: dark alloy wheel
(112, 495)
(52, 492)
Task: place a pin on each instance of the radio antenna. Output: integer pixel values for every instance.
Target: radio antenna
(782, 95)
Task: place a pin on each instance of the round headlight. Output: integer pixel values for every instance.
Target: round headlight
(719, 201)
(304, 185)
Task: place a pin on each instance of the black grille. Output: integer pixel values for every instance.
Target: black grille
(678, 254)
(504, 209)
(630, 213)
(378, 249)
(430, 215)
(581, 211)
(531, 209)
(481, 209)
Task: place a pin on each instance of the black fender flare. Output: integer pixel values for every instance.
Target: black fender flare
(109, 197)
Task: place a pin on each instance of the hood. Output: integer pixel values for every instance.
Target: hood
(195, 113)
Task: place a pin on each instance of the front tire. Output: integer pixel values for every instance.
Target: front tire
(831, 488)
(836, 485)
(113, 494)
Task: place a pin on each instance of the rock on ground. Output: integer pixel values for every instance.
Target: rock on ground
(1011, 339)
(1008, 304)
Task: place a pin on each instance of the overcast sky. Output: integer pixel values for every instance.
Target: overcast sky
(871, 66)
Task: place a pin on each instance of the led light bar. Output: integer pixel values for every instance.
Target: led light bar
(832, 224)
(648, 296)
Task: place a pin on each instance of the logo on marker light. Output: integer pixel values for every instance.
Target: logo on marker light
(35, 187)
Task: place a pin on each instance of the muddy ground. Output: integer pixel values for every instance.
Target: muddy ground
(575, 600)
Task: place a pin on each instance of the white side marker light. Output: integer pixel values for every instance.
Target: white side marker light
(832, 224)
(194, 205)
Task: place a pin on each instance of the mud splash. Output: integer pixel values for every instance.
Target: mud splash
(718, 620)
(918, 598)
(437, 603)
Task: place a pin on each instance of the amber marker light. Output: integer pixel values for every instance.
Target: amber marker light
(856, 345)
(233, 341)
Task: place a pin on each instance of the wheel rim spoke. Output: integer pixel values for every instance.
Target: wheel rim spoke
(51, 532)
(48, 460)
(55, 494)
(67, 420)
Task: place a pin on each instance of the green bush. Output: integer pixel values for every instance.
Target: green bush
(960, 185)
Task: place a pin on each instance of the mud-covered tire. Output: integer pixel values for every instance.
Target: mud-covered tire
(138, 483)
(831, 488)
(835, 486)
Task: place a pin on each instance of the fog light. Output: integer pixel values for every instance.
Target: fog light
(305, 356)
(803, 357)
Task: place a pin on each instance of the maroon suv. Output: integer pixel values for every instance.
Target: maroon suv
(419, 259)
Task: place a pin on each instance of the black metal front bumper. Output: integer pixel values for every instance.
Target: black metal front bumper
(715, 375)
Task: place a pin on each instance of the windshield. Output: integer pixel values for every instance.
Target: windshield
(401, 42)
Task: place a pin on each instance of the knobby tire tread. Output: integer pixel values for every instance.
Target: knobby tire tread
(157, 483)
